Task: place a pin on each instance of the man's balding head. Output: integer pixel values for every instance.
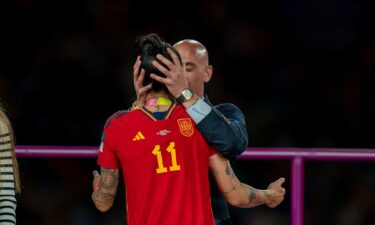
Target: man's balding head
(195, 48)
(195, 57)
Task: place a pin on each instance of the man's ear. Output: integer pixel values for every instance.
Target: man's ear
(208, 73)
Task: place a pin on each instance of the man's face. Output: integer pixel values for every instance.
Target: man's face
(196, 67)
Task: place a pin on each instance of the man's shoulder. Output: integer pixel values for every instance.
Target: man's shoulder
(223, 107)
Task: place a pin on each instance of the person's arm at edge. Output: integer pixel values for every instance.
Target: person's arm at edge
(242, 195)
(104, 188)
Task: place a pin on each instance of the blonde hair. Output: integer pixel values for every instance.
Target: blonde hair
(4, 119)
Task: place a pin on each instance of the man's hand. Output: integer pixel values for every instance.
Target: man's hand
(175, 79)
(276, 193)
(140, 90)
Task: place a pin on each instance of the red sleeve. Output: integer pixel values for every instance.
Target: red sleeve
(212, 152)
(107, 156)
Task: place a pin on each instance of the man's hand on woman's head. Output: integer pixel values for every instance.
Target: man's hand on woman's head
(175, 80)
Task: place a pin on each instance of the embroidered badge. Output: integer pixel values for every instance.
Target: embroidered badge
(186, 127)
(163, 132)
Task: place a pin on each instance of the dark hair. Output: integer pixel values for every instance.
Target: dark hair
(149, 46)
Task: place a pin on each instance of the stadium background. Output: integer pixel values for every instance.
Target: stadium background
(302, 73)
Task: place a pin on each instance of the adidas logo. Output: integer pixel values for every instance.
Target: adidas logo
(139, 136)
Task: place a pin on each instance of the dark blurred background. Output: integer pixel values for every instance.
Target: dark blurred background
(302, 72)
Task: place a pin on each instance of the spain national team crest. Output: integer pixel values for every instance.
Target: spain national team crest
(186, 127)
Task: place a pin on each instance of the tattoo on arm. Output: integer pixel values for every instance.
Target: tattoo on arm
(109, 178)
(225, 173)
(268, 195)
(104, 196)
(252, 195)
(228, 170)
(233, 188)
(107, 185)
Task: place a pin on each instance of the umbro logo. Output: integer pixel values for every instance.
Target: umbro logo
(139, 136)
(163, 132)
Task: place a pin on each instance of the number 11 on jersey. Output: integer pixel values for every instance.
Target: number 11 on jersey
(161, 168)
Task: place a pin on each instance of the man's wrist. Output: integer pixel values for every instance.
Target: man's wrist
(185, 95)
(187, 104)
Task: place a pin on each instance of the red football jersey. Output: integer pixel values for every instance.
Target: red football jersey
(165, 167)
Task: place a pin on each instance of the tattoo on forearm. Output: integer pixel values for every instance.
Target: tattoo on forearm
(104, 196)
(228, 170)
(215, 173)
(231, 190)
(268, 195)
(252, 195)
(109, 178)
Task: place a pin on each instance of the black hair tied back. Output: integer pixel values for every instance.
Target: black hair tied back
(149, 46)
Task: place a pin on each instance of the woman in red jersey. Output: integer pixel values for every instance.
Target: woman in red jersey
(164, 159)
